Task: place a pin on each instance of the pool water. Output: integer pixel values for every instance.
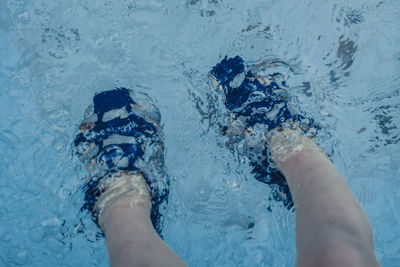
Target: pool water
(341, 61)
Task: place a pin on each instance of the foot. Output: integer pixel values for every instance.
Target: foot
(120, 143)
(256, 105)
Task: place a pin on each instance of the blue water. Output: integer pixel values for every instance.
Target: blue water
(341, 61)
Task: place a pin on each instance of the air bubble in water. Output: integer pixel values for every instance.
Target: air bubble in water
(220, 192)
(202, 194)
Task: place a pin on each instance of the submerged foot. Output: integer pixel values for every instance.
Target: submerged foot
(256, 104)
(120, 142)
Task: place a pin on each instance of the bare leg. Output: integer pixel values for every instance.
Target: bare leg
(125, 220)
(331, 227)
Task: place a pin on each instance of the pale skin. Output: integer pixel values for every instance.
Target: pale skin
(132, 239)
(331, 227)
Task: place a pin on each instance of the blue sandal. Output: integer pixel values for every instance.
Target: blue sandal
(256, 105)
(121, 132)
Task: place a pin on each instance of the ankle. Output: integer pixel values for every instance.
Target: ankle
(125, 218)
(124, 193)
(303, 162)
(289, 147)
